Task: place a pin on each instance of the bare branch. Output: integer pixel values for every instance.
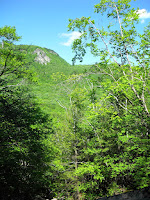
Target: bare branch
(61, 105)
(104, 43)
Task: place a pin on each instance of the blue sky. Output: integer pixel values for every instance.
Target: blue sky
(44, 22)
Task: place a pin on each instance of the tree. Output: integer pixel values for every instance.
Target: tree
(68, 140)
(24, 127)
(121, 46)
(8, 35)
(120, 118)
(14, 62)
(23, 152)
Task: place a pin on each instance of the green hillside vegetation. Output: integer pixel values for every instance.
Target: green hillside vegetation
(50, 78)
(76, 132)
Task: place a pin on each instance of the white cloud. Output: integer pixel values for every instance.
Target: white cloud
(143, 14)
(71, 37)
(142, 21)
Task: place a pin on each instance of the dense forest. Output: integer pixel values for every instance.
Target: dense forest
(76, 132)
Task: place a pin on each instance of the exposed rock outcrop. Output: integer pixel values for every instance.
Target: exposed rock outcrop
(42, 58)
(142, 194)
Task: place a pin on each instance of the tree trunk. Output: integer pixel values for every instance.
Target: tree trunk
(77, 195)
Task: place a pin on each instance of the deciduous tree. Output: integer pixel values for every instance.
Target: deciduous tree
(121, 117)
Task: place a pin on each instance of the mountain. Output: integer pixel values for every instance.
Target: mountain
(51, 72)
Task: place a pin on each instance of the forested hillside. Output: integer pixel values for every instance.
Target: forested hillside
(76, 132)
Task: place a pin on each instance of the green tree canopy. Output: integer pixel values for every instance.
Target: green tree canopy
(24, 127)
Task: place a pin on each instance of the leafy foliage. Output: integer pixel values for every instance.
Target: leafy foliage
(94, 140)
(23, 154)
(23, 159)
(112, 149)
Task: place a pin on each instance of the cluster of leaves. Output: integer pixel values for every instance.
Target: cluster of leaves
(105, 148)
(23, 127)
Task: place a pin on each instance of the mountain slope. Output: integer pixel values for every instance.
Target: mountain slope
(51, 71)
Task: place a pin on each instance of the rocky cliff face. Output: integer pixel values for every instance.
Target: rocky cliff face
(42, 58)
(143, 194)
